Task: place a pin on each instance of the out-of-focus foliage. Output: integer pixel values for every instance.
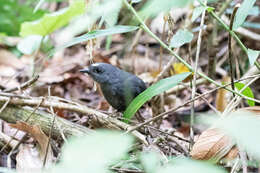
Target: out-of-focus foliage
(99, 33)
(50, 22)
(242, 13)
(13, 13)
(153, 7)
(182, 37)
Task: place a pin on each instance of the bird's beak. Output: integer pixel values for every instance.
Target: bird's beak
(85, 70)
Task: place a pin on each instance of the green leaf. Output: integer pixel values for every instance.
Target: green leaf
(243, 126)
(50, 22)
(29, 44)
(197, 12)
(180, 38)
(111, 17)
(247, 92)
(94, 153)
(210, 9)
(153, 90)
(242, 13)
(104, 11)
(99, 33)
(153, 7)
(180, 165)
(252, 55)
(150, 161)
(13, 13)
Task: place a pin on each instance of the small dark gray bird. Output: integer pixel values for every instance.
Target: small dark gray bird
(119, 87)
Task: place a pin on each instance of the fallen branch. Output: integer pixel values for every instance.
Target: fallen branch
(101, 118)
(12, 114)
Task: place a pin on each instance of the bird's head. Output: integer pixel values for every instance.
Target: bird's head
(101, 72)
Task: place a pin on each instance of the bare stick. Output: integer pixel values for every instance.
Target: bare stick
(195, 77)
(24, 85)
(230, 48)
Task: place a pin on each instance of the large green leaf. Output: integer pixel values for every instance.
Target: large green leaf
(94, 153)
(50, 22)
(13, 13)
(247, 92)
(99, 33)
(180, 38)
(153, 90)
(242, 13)
(153, 7)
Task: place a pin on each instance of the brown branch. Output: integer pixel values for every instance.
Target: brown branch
(13, 113)
(102, 118)
(230, 48)
(24, 85)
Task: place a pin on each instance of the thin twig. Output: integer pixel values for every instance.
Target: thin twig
(4, 106)
(24, 85)
(230, 48)
(178, 107)
(195, 77)
(50, 134)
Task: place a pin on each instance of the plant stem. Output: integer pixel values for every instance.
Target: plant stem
(146, 29)
(213, 14)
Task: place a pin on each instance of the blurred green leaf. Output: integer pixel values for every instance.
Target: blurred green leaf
(247, 92)
(251, 25)
(210, 9)
(50, 22)
(106, 11)
(197, 12)
(99, 33)
(135, 1)
(153, 7)
(252, 55)
(150, 161)
(13, 13)
(94, 153)
(181, 165)
(29, 44)
(39, 4)
(153, 90)
(242, 13)
(180, 38)
(111, 17)
(243, 126)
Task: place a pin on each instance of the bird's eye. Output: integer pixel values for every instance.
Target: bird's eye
(97, 70)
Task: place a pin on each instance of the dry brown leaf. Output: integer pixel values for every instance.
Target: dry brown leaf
(9, 59)
(178, 68)
(232, 154)
(223, 96)
(254, 109)
(211, 144)
(38, 135)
